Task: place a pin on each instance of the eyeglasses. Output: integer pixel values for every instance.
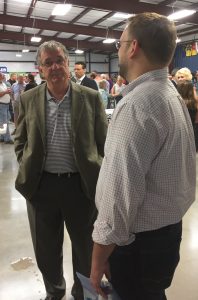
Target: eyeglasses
(48, 63)
(119, 43)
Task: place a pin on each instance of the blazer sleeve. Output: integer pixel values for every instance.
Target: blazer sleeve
(100, 125)
(21, 133)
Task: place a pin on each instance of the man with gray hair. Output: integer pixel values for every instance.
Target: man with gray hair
(147, 179)
(59, 146)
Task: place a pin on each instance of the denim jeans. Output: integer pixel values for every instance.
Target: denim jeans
(145, 268)
(4, 119)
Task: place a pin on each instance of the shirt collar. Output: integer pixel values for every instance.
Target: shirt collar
(152, 75)
(80, 79)
(50, 97)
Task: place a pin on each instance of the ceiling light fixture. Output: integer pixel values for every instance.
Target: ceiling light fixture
(108, 40)
(78, 51)
(122, 15)
(18, 54)
(35, 39)
(25, 50)
(178, 40)
(181, 14)
(61, 9)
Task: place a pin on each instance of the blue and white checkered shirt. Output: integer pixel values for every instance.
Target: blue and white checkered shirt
(147, 179)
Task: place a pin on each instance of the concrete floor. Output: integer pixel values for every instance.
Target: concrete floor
(22, 281)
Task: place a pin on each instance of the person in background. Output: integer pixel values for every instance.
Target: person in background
(173, 77)
(59, 144)
(148, 176)
(103, 91)
(104, 77)
(183, 75)
(5, 92)
(118, 87)
(26, 79)
(97, 76)
(13, 78)
(17, 89)
(81, 78)
(7, 83)
(110, 82)
(10, 82)
(31, 83)
(186, 90)
(93, 75)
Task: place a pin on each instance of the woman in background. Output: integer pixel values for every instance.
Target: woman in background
(186, 90)
(103, 91)
(31, 83)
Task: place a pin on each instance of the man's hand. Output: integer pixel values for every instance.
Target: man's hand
(97, 273)
(100, 267)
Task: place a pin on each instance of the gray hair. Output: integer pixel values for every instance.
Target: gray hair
(50, 46)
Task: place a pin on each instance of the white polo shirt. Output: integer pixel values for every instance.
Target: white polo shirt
(5, 99)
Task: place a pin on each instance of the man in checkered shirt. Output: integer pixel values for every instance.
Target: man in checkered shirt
(147, 180)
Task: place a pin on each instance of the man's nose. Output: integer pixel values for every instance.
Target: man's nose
(55, 65)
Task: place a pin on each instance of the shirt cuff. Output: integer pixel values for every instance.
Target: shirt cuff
(103, 234)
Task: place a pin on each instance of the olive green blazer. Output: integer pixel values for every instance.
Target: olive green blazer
(89, 125)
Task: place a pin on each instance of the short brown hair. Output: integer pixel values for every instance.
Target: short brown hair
(156, 35)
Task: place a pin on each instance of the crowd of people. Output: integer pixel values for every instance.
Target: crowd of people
(10, 91)
(186, 82)
(121, 193)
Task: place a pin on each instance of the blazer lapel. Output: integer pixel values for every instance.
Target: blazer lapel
(40, 98)
(77, 105)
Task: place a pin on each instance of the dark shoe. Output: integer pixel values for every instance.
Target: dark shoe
(77, 292)
(9, 142)
(1, 141)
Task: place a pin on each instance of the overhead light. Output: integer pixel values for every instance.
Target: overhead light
(122, 16)
(25, 50)
(178, 40)
(61, 9)
(36, 39)
(78, 51)
(108, 41)
(18, 55)
(181, 14)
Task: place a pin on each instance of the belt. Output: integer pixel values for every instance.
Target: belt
(4, 103)
(66, 175)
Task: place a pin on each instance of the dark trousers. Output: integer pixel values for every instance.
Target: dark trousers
(61, 200)
(145, 268)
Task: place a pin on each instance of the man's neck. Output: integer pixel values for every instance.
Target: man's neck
(57, 91)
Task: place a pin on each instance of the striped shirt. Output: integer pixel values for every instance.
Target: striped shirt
(147, 179)
(60, 158)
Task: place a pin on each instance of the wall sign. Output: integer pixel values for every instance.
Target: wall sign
(3, 69)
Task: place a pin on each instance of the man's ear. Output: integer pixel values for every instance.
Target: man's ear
(134, 48)
(40, 69)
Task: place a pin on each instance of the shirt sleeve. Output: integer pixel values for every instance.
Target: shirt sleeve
(134, 138)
